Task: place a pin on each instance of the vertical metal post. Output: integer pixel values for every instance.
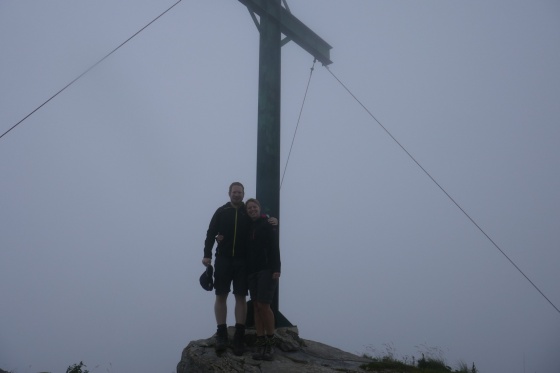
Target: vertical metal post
(275, 20)
(268, 135)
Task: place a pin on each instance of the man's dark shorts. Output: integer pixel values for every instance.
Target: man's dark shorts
(262, 286)
(228, 270)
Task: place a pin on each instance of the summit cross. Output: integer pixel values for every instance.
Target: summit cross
(275, 20)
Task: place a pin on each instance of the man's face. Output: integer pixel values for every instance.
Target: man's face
(236, 195)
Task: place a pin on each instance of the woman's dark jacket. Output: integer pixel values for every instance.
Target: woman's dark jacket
(263, 251)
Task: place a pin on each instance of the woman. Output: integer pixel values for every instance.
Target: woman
(263, 266)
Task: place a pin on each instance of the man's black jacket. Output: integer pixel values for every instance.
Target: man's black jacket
(233, 224)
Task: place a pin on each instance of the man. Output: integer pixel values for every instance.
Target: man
(231, 223)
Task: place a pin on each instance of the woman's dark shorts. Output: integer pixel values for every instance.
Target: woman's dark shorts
(228, 270)
(262, 286)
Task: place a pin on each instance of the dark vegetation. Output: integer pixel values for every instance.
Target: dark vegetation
(77, 368)
(386, 363)
(431, 362)
(424, 365)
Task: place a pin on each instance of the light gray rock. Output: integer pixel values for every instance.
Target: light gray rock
(293, 354)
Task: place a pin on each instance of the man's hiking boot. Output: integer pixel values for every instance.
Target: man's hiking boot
(221, 340)
(268, 353)
(259, 345)
(239, 340)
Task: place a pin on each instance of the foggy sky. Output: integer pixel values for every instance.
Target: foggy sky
(107, 190)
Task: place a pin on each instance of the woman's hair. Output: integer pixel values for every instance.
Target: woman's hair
(254, 200)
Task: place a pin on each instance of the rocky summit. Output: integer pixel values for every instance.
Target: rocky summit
(293, 354)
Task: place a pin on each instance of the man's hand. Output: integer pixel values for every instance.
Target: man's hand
(276, 275)
(273, 221)
(206, 261)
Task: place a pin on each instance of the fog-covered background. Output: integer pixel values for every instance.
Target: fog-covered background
(107, 190)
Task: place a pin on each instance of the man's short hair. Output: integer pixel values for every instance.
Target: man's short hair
(238, 184)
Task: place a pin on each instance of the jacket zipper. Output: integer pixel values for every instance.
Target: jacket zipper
(234, 234)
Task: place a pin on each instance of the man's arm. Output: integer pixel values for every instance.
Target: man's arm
(210, 236)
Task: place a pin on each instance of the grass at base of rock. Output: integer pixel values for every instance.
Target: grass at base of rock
(424, 366)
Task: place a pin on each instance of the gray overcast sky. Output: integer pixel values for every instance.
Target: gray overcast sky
(107, 190)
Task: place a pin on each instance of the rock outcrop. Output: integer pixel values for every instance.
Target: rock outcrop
(293, 354)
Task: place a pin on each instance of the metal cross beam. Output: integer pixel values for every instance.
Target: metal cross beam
(293, 28)
(275, 20)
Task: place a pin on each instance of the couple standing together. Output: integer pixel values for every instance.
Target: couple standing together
(248, 255)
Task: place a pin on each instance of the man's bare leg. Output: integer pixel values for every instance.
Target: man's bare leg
(220, 311)
(240, 309)
(220, 308)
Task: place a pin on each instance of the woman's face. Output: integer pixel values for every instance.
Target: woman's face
(253, 210)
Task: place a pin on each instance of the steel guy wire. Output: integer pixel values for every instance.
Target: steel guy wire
(297, 125)
(443, 190)
(88, 70)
